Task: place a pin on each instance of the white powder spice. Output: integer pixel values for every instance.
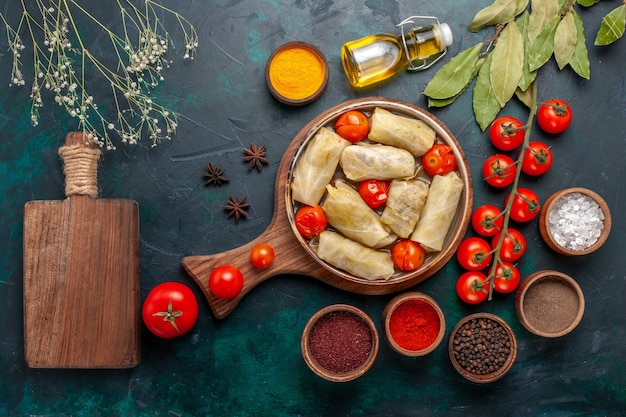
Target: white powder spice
(576, 221)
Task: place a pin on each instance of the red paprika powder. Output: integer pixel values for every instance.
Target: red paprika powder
(414, 325)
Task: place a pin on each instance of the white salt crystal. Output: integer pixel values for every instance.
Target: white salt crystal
(576, 221)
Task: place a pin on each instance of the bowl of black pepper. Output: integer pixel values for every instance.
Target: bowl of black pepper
(340, 343)
(482, 347)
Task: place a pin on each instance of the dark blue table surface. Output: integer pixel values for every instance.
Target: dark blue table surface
(249, 364)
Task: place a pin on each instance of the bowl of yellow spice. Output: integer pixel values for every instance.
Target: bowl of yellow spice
(296, 73)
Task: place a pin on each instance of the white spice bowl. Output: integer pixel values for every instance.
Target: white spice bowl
(547, 231)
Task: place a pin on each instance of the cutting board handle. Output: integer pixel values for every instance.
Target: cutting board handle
(80, 165)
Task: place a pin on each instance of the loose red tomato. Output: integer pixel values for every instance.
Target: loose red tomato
(506, 133)
(499, 170)
(472, 287)
(310, 221)
(507, 278)
(513, 245)
(474, 254)
(352, 125)
(170, 310)
(408, 255)
(554, 116)
(487, 220)
(262, 255)
(225, 281)
(525, 205)
(537, 159)
(439, 160)
(374, 192)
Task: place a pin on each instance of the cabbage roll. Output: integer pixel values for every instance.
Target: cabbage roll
(316, 166)
(439, 211)
(376, 162)
(405, 202)
(349, 214)
(354, 258)
(404, 132)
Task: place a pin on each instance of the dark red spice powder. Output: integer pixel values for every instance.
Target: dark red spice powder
(340, 341)
(414, 325)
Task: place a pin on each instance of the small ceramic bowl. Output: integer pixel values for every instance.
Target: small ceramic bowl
(290, 76)
(465, 348)
(340, 343)
(560, 234)
(549, 303)
(414, 324)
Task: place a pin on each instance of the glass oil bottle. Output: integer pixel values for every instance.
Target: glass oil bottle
(375, 58)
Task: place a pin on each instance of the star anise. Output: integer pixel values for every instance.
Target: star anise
(255, 157)
(237, 208)
(215, 176)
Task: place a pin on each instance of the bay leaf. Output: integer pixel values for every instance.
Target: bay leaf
(520, 6)
(525, 96)
(543, 12)
(528, 76)
(580, 60)
(484, 102)
(612, 26)
(454, 76)
(500, 11)
(432, 102)
(565, 39)
(587, 3)
(508, 63)
(542, 48)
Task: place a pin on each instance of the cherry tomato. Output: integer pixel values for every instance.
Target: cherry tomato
(310, 221)
(499, 170)
(408, 255)
(554, 116)
(352, 125)
(170, 310)
(374, 192)
(225, 281)
(513, 245)
(537, 159)
(506, 133)
(474, 254)
(525, 205)
(487, 220)
(262, 255)
(507, 278)
(439, 160)
(472, 287)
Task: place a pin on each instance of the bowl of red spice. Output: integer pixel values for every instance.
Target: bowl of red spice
(549, 303)
(482, 347)
(414, 324)
(340, 343)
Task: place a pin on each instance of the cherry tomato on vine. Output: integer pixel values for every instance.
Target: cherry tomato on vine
(506, 133)
(310, 221)
(225, 281)
(513, 245)
(439, 160)
(474, 254)
(487, 220)
(537, 159)
(352, 125)
(373, 192)
(472, 287)
(262, 255)
(525, 205)
(507, 278)
(170, 310)
(408, 255)
(499, 170)
(554, 116)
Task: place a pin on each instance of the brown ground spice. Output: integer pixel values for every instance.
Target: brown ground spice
(551, 305)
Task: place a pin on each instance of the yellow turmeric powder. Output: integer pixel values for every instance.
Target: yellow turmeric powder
(296, 72)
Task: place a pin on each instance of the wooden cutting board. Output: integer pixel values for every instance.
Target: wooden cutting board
(81, 272)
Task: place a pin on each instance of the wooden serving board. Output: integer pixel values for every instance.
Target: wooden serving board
(291, 256)
(81, 279)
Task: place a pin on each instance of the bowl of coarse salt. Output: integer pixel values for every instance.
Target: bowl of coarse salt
(575, 221)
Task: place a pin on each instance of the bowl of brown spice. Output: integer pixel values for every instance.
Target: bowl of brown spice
(482, 347)
(339, 343)
(549, 303)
